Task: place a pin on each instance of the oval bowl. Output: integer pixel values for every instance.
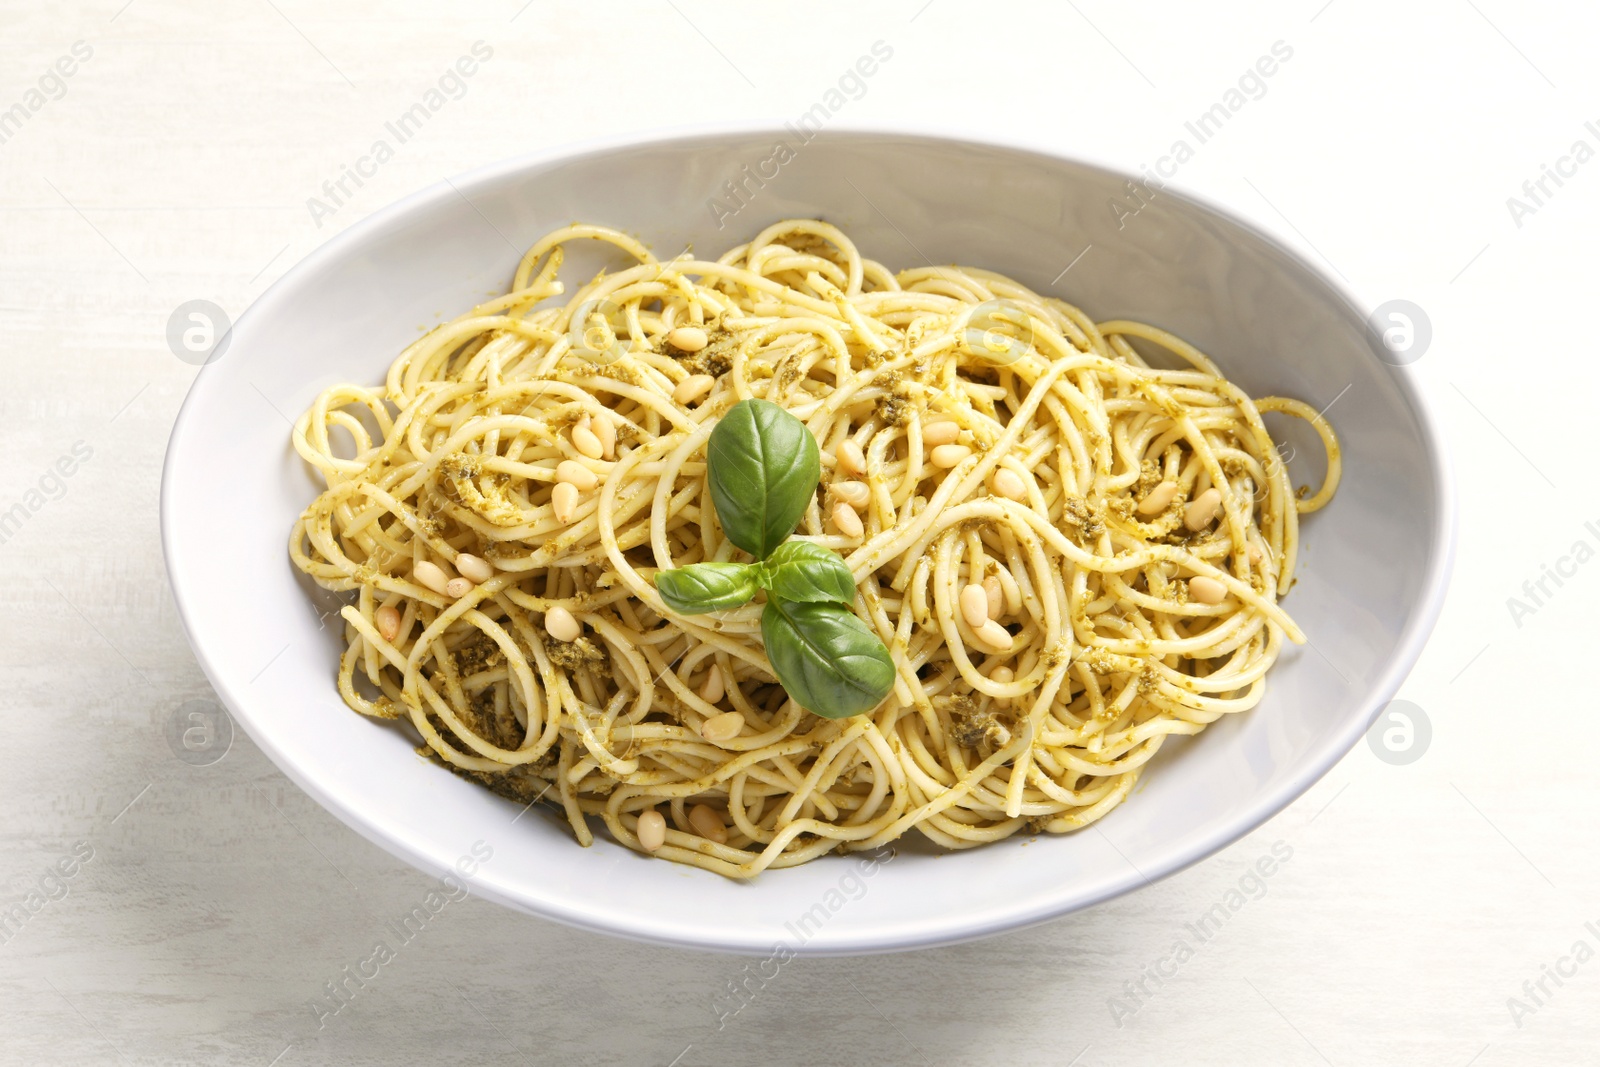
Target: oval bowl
(1372, 575)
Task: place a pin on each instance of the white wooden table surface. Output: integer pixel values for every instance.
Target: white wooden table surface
(207, 905)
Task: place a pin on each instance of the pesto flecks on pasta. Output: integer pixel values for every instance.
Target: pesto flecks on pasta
(1070, 551)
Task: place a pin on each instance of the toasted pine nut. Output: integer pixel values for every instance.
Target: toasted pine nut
(851, 459)
(856, 494)
(605, 431)
(993, 635)
(846, 519)
(585, 441)
(651, 830)
(560, 624)
(724, 727)
(458, 587)
(1207, 590)
(388, 620)
(431, 575)
(564, 501)
(1156, 501)
(712, 690)
(1253, 550)
(1202, 509)
(948, 456)
(708, 824)
(1008, 483)
(687, 338)
(940, 432)
(997, 600)
(693, 388)
(1002, 676)
(574, 473)
(975, 605)
(476, 568)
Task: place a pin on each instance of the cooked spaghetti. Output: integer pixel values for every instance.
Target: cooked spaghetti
(1070, 553)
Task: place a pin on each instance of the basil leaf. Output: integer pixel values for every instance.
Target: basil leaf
(702, 587)
(803, 572)
(826, 657)
(764, 468)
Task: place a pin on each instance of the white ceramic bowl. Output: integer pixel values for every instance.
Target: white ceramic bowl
(1371, 582)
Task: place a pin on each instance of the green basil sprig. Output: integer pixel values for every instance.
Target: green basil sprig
(703, 587)
(763, 466)
(804, 572)
(826, 657)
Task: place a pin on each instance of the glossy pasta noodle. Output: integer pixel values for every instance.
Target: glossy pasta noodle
(1071, 553)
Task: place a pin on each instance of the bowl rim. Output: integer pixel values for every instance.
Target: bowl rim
(932, 932)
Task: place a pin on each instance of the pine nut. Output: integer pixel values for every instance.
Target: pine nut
(1202, 509)
(431, 575)
(851, 459)
(948, 456)
(1008, 483)
(1253, 550)
(693, 388)
(574, 473)
(1002, 676)
(940, 432)
(474, 567)
(997, 601)
(708, 824)
(585, 441)
(1156, 501)
(605, 431)
(388, 620)
(856, 494)
(993, 635)
(975, 605)
(724, 727)
(457, 587)
(687, 338)
(651, 830)
(560, 624)
(1207, 590)
(713, 689)
(564, 501)
(846, 519)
